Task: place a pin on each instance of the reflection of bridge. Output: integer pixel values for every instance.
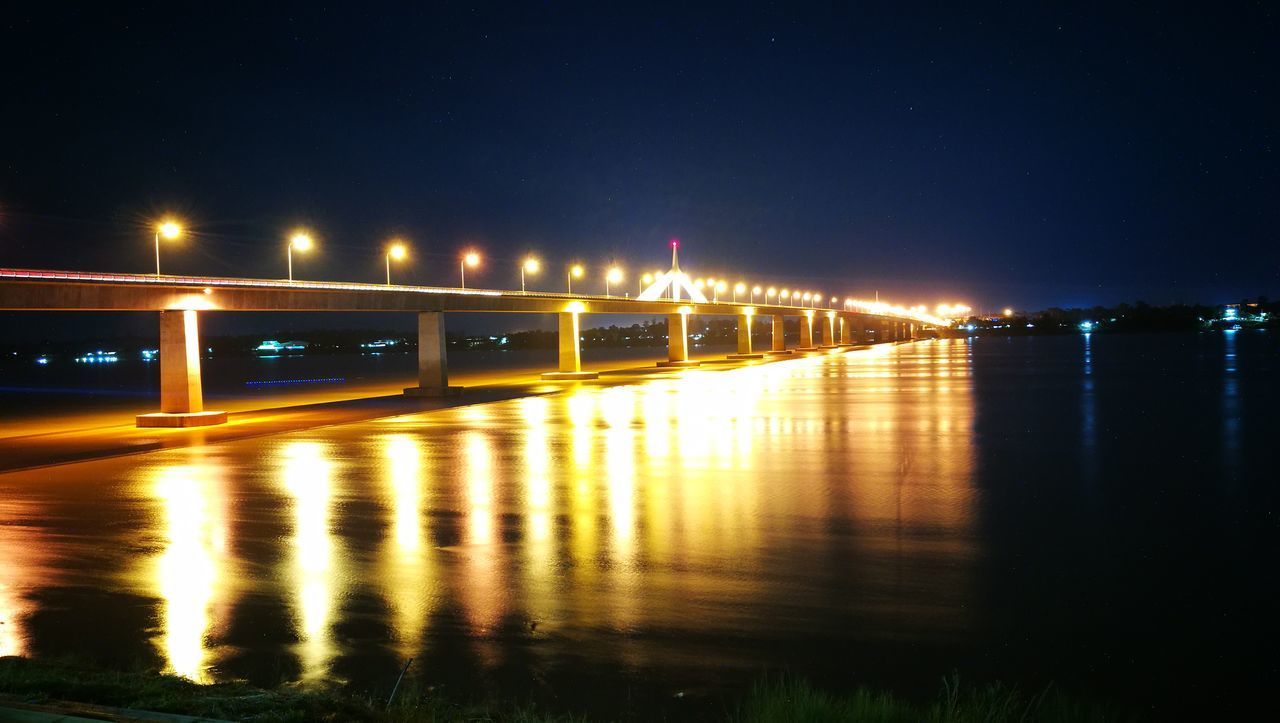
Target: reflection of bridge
(179, 299)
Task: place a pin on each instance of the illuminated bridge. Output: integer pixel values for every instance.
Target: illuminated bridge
(180, 299)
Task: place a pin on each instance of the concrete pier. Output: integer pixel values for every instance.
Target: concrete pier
(433, 365)
(846, 331)
(678, 341)
(570, 345)
(827, 325)
(744, 339)
(778, 344)
(806, 333)
(181, 396)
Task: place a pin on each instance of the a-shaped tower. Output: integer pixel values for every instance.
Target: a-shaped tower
(674, 281)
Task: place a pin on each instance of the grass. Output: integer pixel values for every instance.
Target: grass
(785, 700)
(792, 700)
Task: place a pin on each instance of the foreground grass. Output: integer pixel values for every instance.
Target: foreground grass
(795, 701)
(787, 700)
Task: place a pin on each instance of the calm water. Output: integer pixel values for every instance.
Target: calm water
(1099, 511)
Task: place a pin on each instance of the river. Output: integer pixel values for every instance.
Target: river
(1093, 510)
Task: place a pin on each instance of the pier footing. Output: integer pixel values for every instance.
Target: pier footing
(181, 419)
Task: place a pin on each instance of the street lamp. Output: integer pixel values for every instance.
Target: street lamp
(754, 290)
(612, 277)
(531, 265)
(644, 281)
(170, 230)
(738, 288)
(715, 295)
(395, 251)
(575, 272)
(300, 240)
(470, 258)
(783, 296)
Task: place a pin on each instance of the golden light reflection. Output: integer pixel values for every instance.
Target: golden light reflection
(307, 472)
(23, 564)
(190, 570)
(407, 577)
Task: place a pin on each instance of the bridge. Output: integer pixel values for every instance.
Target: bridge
(181, 299)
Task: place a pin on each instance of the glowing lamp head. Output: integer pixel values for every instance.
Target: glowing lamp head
(755, 290)
(169, 229)
(721, 286)
(302, 241)
(647, 278)
(532, 265)
(806, 296)
(711, 282)
(740, 287)
(576, 271)
(614, 275)
(784, 293)
(771, 291)
(397, 251)
(700, 283)
(471, 259)
(1008, 312)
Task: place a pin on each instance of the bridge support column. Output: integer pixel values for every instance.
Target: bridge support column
(911, 331)
(570, 350)
(433, 363)
(779, 342)
(827, 323)
(859, 329)
(181, 397)
(806, 332)
(846, 331)
(678, 341)
(744, 339)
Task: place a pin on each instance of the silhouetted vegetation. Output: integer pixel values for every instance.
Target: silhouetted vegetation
(68, 688)
(1136, 317)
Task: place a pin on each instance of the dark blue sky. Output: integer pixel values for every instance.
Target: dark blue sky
(1008, 155)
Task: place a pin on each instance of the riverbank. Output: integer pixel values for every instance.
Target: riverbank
(65, 689)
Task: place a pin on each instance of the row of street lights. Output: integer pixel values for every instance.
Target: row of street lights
(531, 265)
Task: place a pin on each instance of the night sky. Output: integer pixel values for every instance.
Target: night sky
(1006, 156)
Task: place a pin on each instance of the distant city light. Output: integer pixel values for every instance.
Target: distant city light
(1085, 326)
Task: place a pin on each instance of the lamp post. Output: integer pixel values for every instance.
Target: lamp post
(738, 288)
(613, 276)
(574, 272)
(755, 290)
(715, 293)
(395, 251)
(170, 230)
(532, 265)
(300, 240)
(470, 258)
(643, 282)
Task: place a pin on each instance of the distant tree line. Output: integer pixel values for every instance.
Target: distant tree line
(1136, 317)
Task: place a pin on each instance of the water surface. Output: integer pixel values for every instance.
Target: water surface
(1097, 511)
